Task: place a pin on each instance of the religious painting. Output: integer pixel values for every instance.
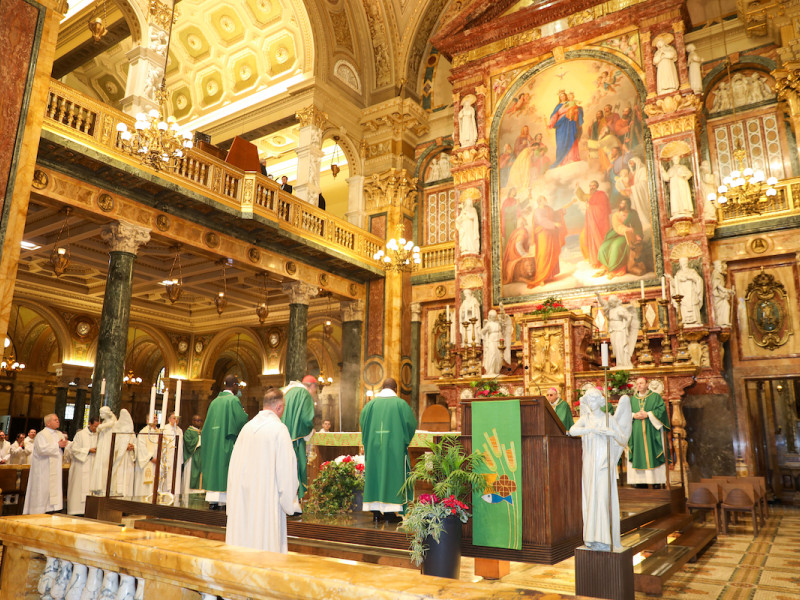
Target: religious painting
(627, 44)
(768, 318)
(574, 204)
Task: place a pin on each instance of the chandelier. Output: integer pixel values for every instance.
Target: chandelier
(335, 168)
(401, 255)
(174, 285)
(156, 141)
(262, 310)
(60, 255)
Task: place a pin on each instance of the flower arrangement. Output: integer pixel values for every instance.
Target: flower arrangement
(483, 388)
(618, 383)
(450, 472)
(333, 490)
(549, 306)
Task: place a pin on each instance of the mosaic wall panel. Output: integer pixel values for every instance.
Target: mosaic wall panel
(440, 210)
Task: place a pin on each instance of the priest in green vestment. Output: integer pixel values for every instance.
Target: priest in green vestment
(298, 416)
(191, 456)
(224, 421)
(646, 460)
(387, 426)
(560, 406)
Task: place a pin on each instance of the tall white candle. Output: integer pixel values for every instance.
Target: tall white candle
(178, 399)
(663, 288)
(103, 387)
(151, 413)
(642, 288)
(164, 404)
(604, 353)
(448, 312)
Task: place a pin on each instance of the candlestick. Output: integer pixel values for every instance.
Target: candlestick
(164, 404)
(663, 288)
(178, 399)
(604, 354)
(152, 411)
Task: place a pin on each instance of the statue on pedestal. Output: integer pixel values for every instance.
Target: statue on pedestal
(490, 334)
(709, 187)
(623, 329)
(468, 225)
(688, 283)
(467, 126)
(470, 308)
(695, 76)
(604, 437)
(680, 194)
(664, 58)
(721, 295)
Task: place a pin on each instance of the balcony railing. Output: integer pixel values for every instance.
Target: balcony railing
(94, 124)
(785, 203)
(437, 257)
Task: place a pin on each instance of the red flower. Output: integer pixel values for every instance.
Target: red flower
(360, 468)
(540, 307)
(347, 459)
(630, 385)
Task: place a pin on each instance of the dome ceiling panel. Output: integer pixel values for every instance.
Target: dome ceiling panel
(244, 71)
(227, 25)
(194, 42)
(181, 100)
(281, 54)
(211, 87)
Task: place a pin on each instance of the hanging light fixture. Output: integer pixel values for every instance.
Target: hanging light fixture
(262, 310)
(220, 301)
(175, 285)
(156, 141)
(60, 255)
(98, 25)
(9, 364)
(327, 331)
(335, 169)
(745, 189)
(130, 378)
(400, 255)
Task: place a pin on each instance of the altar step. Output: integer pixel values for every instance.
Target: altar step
(349, 551)
(664, 558)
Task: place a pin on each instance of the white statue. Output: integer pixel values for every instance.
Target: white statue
(100, 468)
(152, 83)
(709, 187)
(59, 589)
(139, 589)
(94, 583)
(664, 59)
(435, 173)
(158, 40)
(127, 587)
(48, 576)
(491, 334)
(507, 325)
(739, 89)
(444, 166)
(77, 582)
(468, 227)
(695, 76)
(722, 97)
(110, 586)
(721, 294)
(603, 437)
(467, 126)
(470, 308)
(623, 329)
(680, 194)
(755, 92)
(688, 283)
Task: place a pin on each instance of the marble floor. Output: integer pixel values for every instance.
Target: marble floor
(736, 567)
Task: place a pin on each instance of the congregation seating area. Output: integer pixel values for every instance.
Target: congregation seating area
(726, 497)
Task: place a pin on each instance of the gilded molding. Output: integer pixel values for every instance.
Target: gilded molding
(673, 126)
(395, 187)
(311, 115)
(672, 104)
(470, 174)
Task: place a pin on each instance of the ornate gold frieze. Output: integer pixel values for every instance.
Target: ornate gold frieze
(479, 151)
(470, 174)
(311, 115)
(672, 126)
(160, 14)
(672, 104)
(395, 187)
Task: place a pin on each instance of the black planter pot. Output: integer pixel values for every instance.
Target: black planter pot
(443, 558)
(358, 501)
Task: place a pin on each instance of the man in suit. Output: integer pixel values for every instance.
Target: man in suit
(285, 184)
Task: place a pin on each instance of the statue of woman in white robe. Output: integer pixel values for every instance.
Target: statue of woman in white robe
(467, 126)
(469, 231)
(688, 283)
(680, 195)
(604, 437)
(695, 76)
(100, 467)
(722, 295)
(490, 334)
(664, 59)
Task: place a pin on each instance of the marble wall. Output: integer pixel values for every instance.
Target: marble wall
(710, 419)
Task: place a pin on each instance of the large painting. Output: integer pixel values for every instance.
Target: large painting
(574, 205)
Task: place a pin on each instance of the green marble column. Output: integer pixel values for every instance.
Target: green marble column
(416, 339)
(350, 385)
(80, 403)
(61, 401)
(124, 240)
(297, 341)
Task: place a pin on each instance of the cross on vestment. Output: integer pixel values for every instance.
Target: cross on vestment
(382, 431)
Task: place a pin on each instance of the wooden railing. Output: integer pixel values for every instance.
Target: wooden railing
(437, 257)
(93, 124)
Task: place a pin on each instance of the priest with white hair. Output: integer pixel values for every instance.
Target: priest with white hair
(262, 480)
(45, 488)
(83, 449)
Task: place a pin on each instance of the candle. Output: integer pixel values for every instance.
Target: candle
(642, 288)
(604, 353)
(103, 387)
(448, 312)
(152, 411)
(663, 288)
(178, 399)
(164, 404)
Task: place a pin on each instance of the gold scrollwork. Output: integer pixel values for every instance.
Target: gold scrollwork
(311, 115)
(671, 104)
(770, 322)
(323, 279)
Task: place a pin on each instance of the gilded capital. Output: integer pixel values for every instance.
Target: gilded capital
(300, 292)
(394, 187)
(311, 115)
(416, 312)
(352, 310)
(125, 237)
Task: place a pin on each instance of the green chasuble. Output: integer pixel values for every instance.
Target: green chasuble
(191, 437)
(564, 413)
(298, 416)
(646, 448)
(224, 421)
(387, 426)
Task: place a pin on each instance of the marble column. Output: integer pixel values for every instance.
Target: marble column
(355, 200)
(80, 409)
(145, 69)
(300, 294)
(79, 376)
(124, 240)
(352, 342)
(62, 389)
(416, 340)
(309, 153)
(29, 31)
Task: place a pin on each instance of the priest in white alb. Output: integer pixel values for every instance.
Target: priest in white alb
(262, 480)
(83, 449)
(124, 455)
(146, 450)
(45, 488)
(173, 442)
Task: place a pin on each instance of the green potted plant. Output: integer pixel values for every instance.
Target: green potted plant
(336, 486)
(433, 521)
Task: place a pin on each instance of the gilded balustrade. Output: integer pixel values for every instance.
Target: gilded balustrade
(93, 124)
(785, 203)
(437, 257)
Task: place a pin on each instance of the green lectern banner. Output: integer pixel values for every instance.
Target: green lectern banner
(497, 508)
